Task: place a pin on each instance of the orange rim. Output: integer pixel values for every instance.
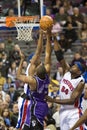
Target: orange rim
(10, 21)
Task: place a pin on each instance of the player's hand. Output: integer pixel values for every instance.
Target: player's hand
(41, 31)
(49, 30)
(71, 129)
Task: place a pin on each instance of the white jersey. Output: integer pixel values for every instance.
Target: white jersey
(26, 85)
(66, 88)
(22, 105)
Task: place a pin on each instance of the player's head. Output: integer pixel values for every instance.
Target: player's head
(77, 69)
(85, 91)
(41, 71)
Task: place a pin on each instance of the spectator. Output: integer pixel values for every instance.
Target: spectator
(12, 71)
(53, 88)
(1, 103)
(9, 45)
(2, 47)
(62, 41)
(68, 7)
(5, 105)
(5, 64)
(2, 124)
(59, 74)
(77, 16)
(83, 50)
(7, 84)
(6, 116)
(56, 27)
(77, 58)
(61, 16)
(8, 100)
(70, 20)
(14, 94)
(25, 64)
(10, 13)
(14, 55)
(55, 6)
(83, 2)
(83, 32)
(70, 35)
(85, 5)
(49, 12)
(14, 116)
(2, 80)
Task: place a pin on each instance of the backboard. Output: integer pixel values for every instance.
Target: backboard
(31, 8)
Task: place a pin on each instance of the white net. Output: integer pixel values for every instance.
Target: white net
(24, 31)
(24, 26)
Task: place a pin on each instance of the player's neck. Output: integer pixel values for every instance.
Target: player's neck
(74, 76)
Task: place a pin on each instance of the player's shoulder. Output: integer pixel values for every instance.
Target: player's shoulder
(82, 82)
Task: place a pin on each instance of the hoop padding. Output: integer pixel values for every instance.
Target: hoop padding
(24, 26)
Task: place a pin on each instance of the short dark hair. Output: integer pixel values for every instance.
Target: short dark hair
(41, 72)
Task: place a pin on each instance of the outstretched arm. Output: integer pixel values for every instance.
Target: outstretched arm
(59, 55)
(21, 76)
(35, 61)
(38, 51)
(48, 53)
(82, 120)
(74, 97)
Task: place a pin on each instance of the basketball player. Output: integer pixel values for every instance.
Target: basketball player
(71, 87)
(38, 81)
(24, 101)
(83, 118)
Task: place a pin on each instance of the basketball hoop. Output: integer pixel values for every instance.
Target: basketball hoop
(24, 26)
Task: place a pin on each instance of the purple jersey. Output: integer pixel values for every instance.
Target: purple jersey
(40, 107)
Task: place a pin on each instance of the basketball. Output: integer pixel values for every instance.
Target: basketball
(46, 22)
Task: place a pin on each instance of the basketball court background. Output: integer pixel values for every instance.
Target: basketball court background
(33, 7)
(8, 35)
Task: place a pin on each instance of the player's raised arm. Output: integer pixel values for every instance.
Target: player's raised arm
(35, 61)
(38, 49)
(59, 55)
(48, 52)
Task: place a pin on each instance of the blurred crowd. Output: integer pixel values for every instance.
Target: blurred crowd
(70, 26)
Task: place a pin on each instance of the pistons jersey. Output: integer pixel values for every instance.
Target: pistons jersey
(66, 88)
